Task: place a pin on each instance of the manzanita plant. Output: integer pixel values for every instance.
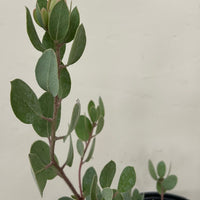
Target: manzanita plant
(163, 182)
(62, 27)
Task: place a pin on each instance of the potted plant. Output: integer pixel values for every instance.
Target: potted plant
(61, 25)
(164, 182)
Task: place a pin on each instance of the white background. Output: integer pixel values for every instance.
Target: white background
(143, 58)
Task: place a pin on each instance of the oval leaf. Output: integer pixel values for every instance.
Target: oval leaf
(91, 151)
(64, 84)
(33, 36)
(80, 147)
(87, 180)
(107, 174)
(83, 128)
(78, 46)
(107, 193)
(70, 156)
(152, 170)
(170, 182)
(47, 72)
(59, 21)
(24, 102)
(42, 126)
(73, 25)
(127, 179)
(161, 169)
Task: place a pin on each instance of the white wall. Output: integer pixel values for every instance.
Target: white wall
(143, 58)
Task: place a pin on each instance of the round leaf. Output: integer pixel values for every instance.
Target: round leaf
(83, 128)
(170, 182)
(24, 102)
(127, 179)
(80, 147)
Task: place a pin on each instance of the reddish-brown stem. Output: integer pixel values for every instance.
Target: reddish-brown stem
(52, 138)
(82, 160)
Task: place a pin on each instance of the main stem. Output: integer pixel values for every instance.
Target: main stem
(53, 139)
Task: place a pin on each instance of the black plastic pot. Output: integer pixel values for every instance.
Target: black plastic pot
(156, 196)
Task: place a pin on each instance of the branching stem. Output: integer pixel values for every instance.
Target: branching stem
(82, 160)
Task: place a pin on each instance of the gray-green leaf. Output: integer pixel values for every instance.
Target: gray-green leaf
(59, 21)
(42, 126)
(73, 25)
(107, 174)
(152, 170)
(64, 83)
(74, 119)
(93, 194)
(65, 198)
(87, 180)
(39, 158)
(33, 36)
(161, 169)
(47, 72)
(107, 194)
(83, 128)
(101, 107)
(80, 147)
(24, 102)
(70, 156)
(91, 151)
(170, 182)
(78, 46)
(127, 179)
(100, 125)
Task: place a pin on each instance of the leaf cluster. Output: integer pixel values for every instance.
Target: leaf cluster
(164, 181)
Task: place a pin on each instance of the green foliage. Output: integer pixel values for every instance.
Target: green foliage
(101, 107)
(100, 125)
(70, 156)
(83, 128)
(39, 158)
(73, 25)
(42, 126)
(47, 72)
(24, 102)
(65, 198)
(107, 174)
(127, 179)
(33, 36)
(107, 194)
(152, 170)
(91, 151)
(78, 45)
(136, 195)
(93, 193)
(64, 84)
(88, 180)
(59, 21)
(162, 183)
(161, 169)
(80, 147)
